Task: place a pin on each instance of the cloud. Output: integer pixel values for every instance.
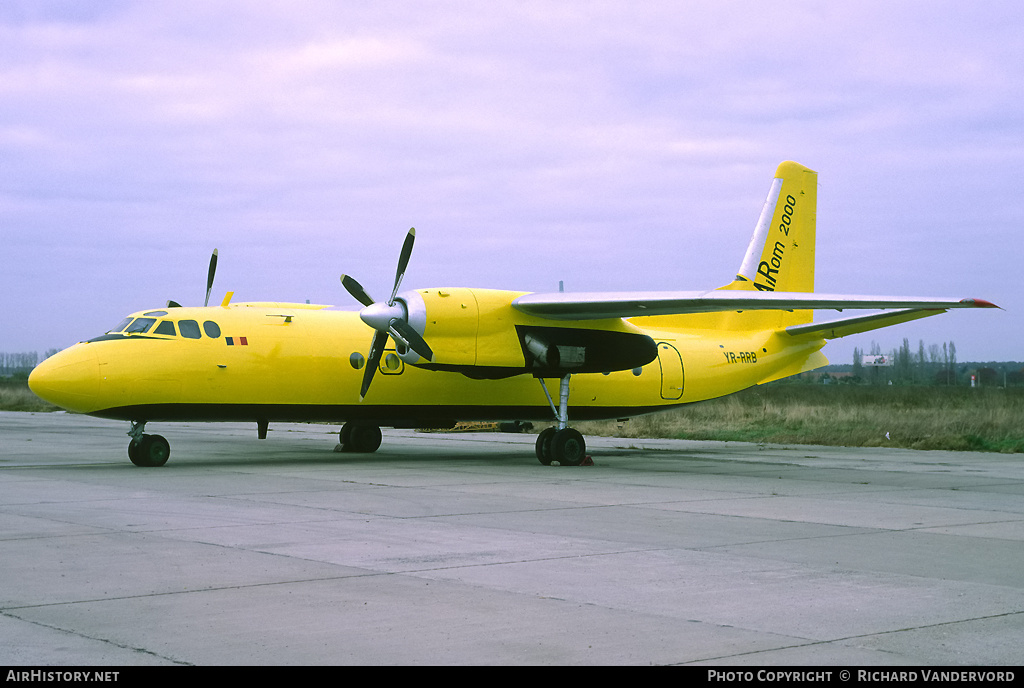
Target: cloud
(613, 145)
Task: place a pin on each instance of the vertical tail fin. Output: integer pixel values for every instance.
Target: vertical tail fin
(781, 252)
(780, 256)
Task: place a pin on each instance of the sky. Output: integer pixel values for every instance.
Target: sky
(609, 145)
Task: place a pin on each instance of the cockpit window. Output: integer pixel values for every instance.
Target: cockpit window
(140, 325)
(165, 327)
(189, 329)
(120, 326)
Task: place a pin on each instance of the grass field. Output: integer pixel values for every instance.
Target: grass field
(957, 418)
(15, 396)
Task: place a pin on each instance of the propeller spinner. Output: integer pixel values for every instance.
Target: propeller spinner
(389, 318)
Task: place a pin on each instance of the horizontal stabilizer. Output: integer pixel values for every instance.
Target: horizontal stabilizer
(843, 327)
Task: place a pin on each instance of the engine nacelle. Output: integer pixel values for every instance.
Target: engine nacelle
(477, 332)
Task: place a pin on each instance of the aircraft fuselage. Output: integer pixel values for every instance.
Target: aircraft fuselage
(296, 362)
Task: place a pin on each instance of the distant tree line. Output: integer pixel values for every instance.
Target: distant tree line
(929, 365)
(19, 365)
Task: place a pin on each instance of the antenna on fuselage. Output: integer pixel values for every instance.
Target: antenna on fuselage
(209, 277)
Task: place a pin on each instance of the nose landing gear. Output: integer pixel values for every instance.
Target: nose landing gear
(148, 451)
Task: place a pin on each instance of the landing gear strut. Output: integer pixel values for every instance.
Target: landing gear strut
(560, 443)
(148, 451)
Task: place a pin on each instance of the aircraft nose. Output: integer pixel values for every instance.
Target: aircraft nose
(69, 379)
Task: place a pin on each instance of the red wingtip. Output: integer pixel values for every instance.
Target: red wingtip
(980, 303)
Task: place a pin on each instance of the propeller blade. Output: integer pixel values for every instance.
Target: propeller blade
(380, 339)
(403, 263)
(403, 330)
(356, 290)
(209, 276)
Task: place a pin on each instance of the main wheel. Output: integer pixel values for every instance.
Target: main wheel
(151, 451)
(568, 447)
(544, 445)
(364, 439)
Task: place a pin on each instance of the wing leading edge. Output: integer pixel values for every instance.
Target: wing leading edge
(604, 305)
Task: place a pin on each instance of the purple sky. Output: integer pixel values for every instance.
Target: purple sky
(612, 145)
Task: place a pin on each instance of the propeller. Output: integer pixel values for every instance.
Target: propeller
(390, 318)
(209, 282)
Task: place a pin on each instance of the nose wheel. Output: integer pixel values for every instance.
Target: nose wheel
(151, 451)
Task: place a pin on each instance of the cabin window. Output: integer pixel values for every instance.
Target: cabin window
(165, 327)
(140, 325)
(211, 329)
(189, 329)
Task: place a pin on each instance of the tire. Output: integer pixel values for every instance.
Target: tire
(151, 451)
(364, 439)
(134, 453)
(544, 445)
(568, 447)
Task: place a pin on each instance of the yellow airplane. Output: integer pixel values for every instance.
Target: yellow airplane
(460, 354)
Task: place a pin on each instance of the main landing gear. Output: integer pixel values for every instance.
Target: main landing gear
(560, 443)
(361, 438)
(147, 450)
